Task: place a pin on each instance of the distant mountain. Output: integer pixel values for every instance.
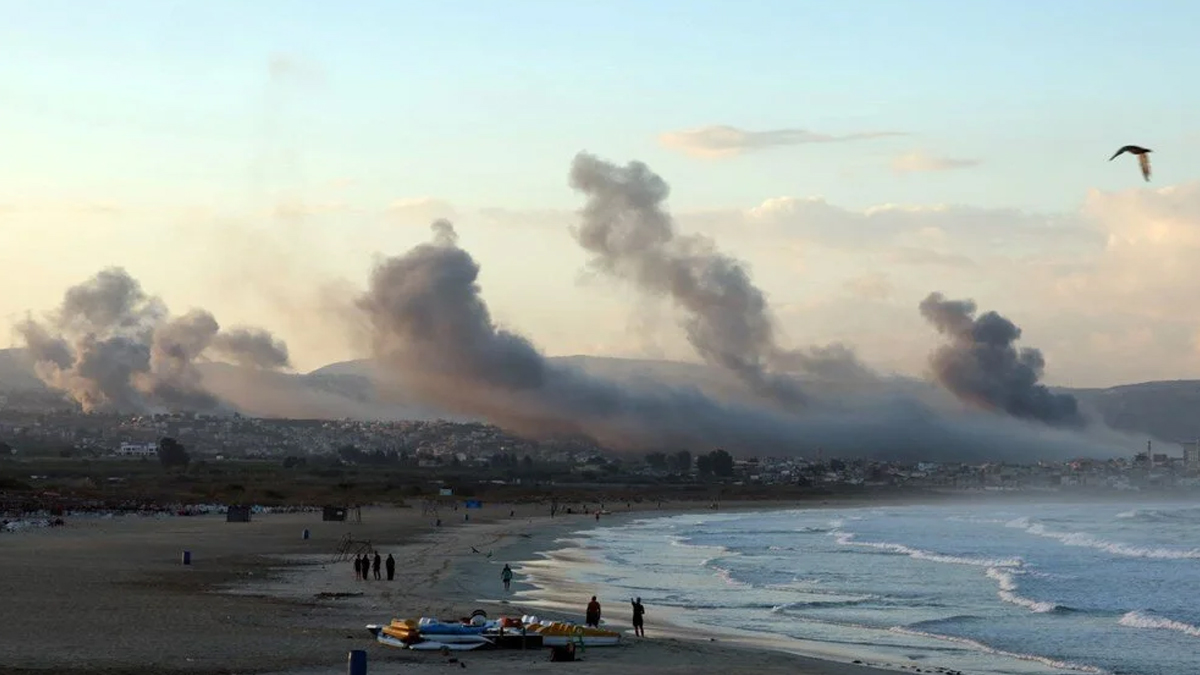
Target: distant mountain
(352, 389)
(1168, 409)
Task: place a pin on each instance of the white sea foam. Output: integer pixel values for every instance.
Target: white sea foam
(1141, 620)
(1006, 578)
(847, 539)
(1083, 539)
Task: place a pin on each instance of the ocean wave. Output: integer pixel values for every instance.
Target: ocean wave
(1083, 539)
(956, 618)
(847, 539)
(686, 542)
(1008, 593)
(975, 644)
(1185, 513)
(1137, 619)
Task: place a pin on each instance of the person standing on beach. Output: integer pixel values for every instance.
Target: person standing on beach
(639, 614)
(377, 563)
(506, 576)
(593, 613)
(357, 567)
(390, 563)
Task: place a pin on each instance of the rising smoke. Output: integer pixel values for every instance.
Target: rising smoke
(112, 348)
(981, 366)
(632, 237)
(430, 326)
(431, 330)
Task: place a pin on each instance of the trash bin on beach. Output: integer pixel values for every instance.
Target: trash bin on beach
(356, 663)
(187, 558)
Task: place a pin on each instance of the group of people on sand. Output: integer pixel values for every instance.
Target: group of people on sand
(592, 615)
(364, 565)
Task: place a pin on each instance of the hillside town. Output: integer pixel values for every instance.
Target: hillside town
(431, 445)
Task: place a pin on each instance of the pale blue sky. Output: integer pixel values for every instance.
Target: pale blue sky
(158, 107)
(483, 103)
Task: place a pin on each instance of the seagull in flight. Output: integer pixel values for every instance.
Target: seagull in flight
(1143, 157)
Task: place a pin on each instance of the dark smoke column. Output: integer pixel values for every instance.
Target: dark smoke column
(632, 237)
(981, 366)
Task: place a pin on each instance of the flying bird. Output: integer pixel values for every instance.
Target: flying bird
(1143, 157)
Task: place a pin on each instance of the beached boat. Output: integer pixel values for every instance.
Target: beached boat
(559, 633)
(527, 632)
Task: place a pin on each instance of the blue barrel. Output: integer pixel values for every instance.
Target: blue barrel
(305, 535)
(187, 557)
(356, 664)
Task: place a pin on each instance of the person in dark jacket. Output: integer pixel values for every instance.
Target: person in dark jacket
(593, 613)
(375, 566)
(390, 563)
(357, 567)
(639, 614)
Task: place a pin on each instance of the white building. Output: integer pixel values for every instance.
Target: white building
(138, 450)
(1191, 455)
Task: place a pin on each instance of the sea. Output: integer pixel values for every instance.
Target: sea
(984, 588)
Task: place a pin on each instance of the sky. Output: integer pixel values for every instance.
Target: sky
(256, 159)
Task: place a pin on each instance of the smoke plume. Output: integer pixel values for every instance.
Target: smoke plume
(252, 348)
(632, 237)
(430, 326)
(112, 348)
(432, 332)
(981, 366)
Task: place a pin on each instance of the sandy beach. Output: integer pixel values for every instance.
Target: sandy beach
(110, 596)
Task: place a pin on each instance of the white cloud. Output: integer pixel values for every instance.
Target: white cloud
(952, 231)
(1147, 264)
(918, 161)
(726, 141)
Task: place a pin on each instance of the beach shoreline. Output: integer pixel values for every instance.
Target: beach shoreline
(560, 599)
(107, 596)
